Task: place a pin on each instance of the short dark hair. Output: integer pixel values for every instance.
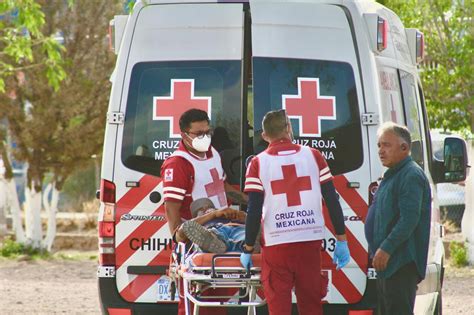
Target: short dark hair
(274, 123)
(191, 116)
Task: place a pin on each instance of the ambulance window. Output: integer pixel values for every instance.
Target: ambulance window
(161, 91)
(412, 114)
(320, 98)
(392, 106)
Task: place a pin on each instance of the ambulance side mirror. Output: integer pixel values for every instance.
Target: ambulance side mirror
(453, 168)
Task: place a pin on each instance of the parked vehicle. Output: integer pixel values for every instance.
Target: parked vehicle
(340, 68)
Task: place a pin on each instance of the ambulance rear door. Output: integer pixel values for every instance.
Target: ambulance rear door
(305, 61)
(178, 57)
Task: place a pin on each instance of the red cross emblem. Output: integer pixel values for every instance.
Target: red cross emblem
(216, 188)
(180, 100)
(309, 107)
(169, 175)
(291, 185)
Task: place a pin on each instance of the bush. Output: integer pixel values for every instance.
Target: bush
(458, 254)
(12, 249)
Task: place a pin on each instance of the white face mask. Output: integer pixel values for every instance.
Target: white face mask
(201, 145)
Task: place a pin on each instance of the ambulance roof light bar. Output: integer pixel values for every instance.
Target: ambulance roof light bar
(377, 31)
(116, 32)
(416, 44)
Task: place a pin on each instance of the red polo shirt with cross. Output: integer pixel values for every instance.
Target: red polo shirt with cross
(178, 180)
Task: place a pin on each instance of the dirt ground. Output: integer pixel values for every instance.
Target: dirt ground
(68, 286)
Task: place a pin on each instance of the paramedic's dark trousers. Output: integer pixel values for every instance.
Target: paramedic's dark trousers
(396, 295)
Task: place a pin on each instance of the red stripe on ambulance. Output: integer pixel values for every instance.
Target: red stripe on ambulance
(141, 283)
(343, 284)
(133, 196)
(144, 231)
(358, 252)
(351, 196)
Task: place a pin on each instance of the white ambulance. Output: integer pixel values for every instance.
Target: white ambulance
(340, 68)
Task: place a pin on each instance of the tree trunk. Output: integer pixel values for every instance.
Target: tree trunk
(14, 205)
(34, 231)
(3, 206)
(51, 209)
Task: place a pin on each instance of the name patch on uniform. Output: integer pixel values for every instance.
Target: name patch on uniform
(169, 175)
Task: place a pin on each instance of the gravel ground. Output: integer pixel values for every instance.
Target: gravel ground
(69, 287)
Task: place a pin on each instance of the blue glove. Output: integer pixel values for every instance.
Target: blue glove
(246, 260)
(341, 255)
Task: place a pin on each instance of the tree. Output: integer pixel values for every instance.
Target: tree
(21, 24)
(448, 72)
(57, 131)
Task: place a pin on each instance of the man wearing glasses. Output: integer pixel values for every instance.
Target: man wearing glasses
(194, 171)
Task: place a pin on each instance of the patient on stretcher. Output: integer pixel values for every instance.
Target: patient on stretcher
(214, 231)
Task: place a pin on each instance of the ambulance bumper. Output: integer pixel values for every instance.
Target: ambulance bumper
(111, 303)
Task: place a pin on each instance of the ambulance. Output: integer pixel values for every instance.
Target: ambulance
(340, 68)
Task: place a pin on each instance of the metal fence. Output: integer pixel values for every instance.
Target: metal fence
(451, 197)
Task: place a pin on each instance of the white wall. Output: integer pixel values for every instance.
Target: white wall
(467, 225)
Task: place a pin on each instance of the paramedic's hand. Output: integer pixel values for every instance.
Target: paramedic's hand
(246, 260)
(341, 254)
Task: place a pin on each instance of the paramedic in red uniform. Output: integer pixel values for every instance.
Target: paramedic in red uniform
(286, 184)
(194, 171)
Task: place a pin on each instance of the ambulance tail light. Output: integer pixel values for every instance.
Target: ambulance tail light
(416, 44)
(116, 31)
(107, 224)
(377, 28)
(382, 31)
(111, 35)
(107, 191)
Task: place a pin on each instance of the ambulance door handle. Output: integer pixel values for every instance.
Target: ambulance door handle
(155, 197)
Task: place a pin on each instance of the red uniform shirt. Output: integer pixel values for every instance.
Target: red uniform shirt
(178, 179)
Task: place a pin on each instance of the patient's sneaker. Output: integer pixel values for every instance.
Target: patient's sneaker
(200, 236)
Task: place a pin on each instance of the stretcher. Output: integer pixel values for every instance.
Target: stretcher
(198, 272)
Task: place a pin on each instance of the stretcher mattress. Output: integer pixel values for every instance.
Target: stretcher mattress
(205, 260)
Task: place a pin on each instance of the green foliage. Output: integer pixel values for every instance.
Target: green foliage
(75, 256)
(448, 71)
(458, 254)
(12, 249)
(21, 30)
(59, 131)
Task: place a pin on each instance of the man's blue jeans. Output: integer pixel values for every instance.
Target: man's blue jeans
(232, 235)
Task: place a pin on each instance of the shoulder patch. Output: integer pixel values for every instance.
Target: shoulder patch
(168, 175)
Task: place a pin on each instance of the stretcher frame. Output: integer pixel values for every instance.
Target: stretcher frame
(198, 279)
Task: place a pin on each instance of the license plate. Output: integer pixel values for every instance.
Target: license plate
(164, 292)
